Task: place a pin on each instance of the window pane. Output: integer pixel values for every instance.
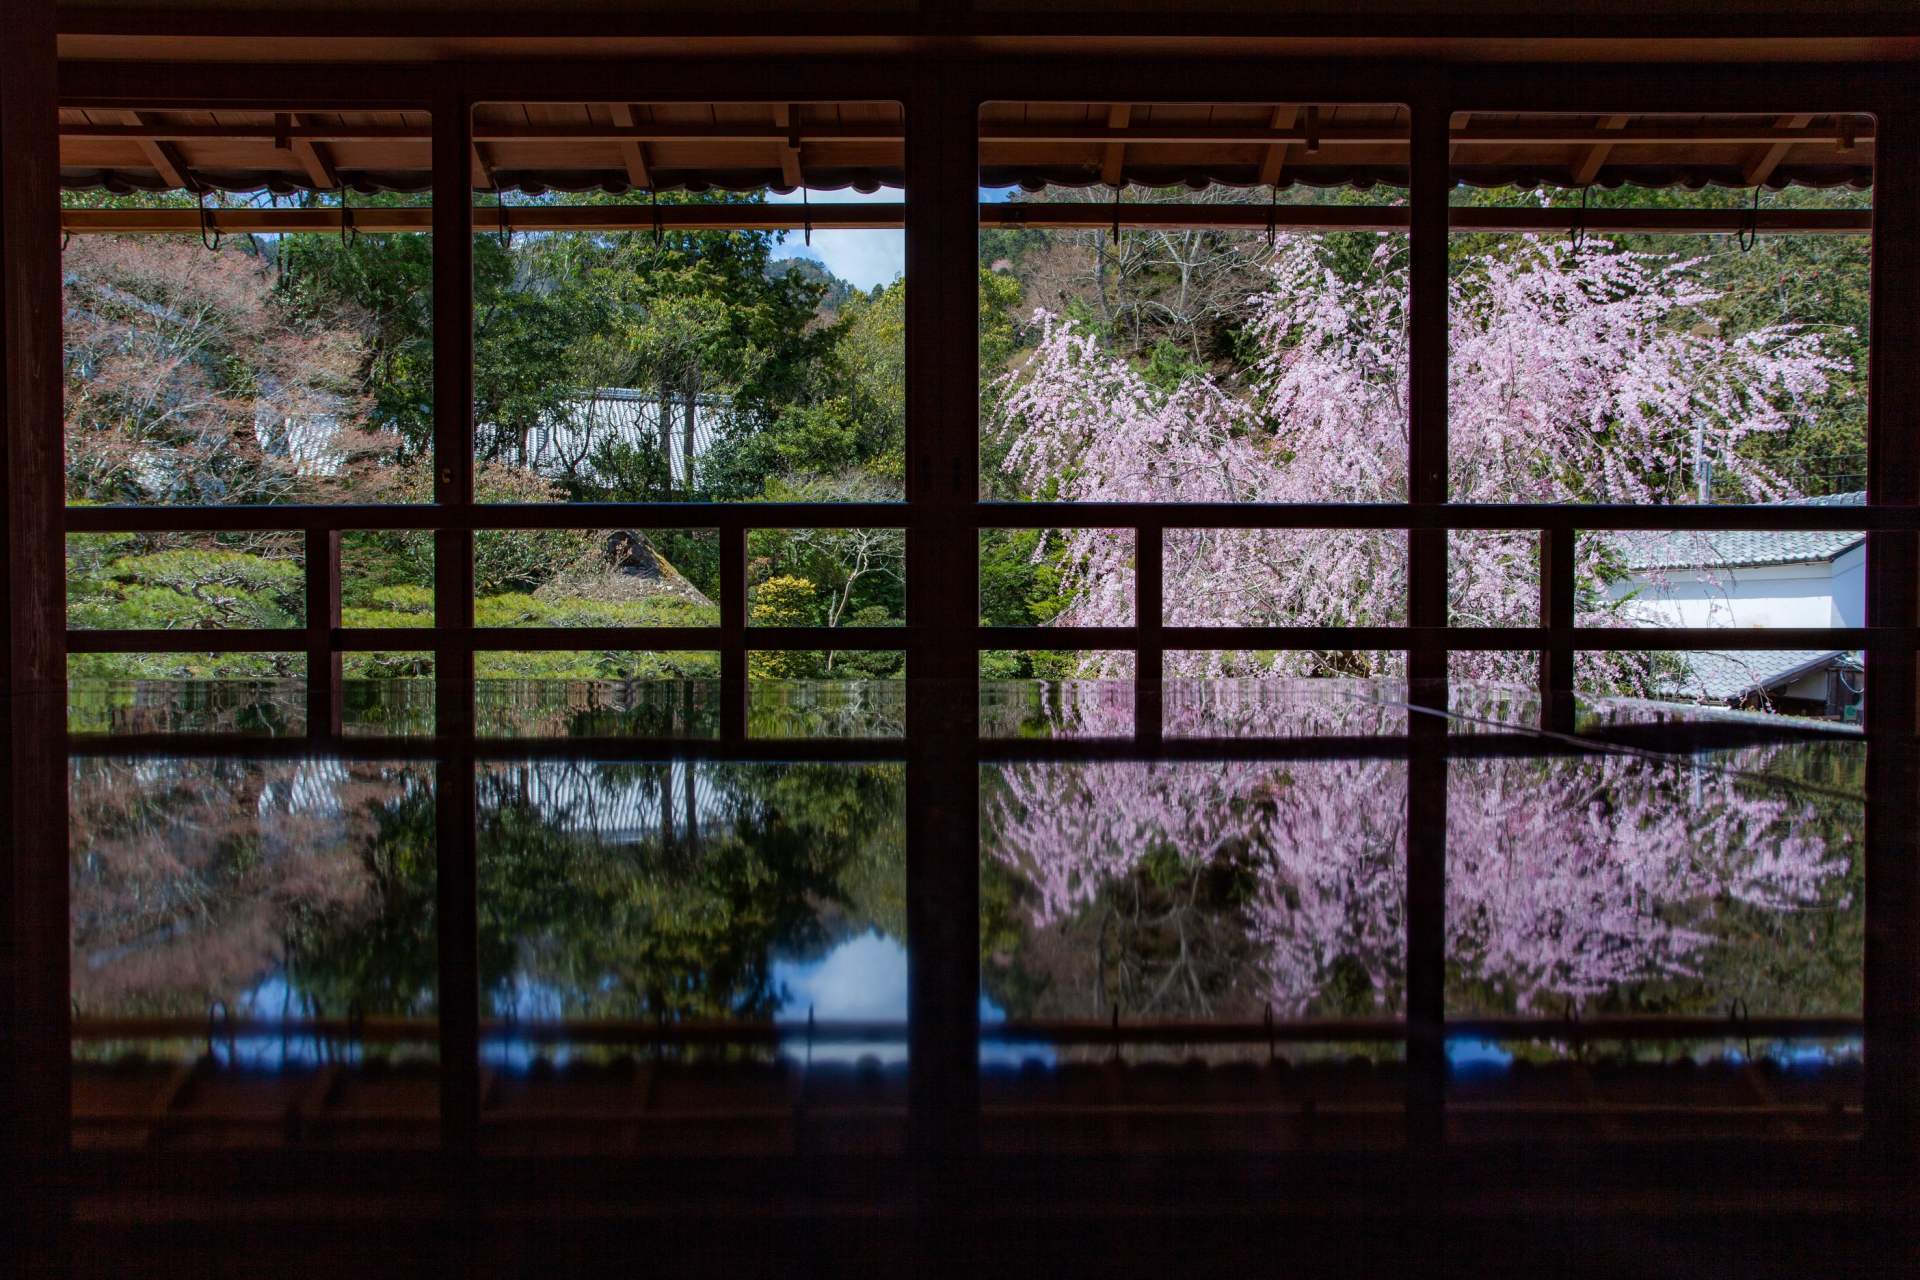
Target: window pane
(1285, 577)
(1282, 694)
(1056, 577)
(1043, 693)
(386, 578)
(653, 706)
(675, 949)
(277, 367)
(855, 694)
(1213, 921)
(272, 920)
(1666, 887)
(620, 358)
(1739, 581)
(193, 581)
(826, 577)
(1668, 368)
(596, 578)
(1250, 350)
(132, 701)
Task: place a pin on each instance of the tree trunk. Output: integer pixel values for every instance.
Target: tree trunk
(666, 432)
(687, 457)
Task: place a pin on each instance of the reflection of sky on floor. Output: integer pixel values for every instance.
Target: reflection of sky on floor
(274, 999)
(1477, 1057)
(1469, 1057)
(864, 979)
(860, 979)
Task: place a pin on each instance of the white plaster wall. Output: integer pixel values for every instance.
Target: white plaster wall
(1850, 588)
(1796, 595)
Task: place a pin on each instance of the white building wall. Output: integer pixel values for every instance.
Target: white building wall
(1850, 588)
(1810, 594)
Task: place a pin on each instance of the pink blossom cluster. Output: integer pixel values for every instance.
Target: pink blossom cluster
(1586, 375)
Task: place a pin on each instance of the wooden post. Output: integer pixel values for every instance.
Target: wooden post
(323, 615)
(1149, 620)
(733, 634)
(1892, 1057)
(943, 573)
(35, 1061)
(1427, 608)
(453, 613)
(1556, 614)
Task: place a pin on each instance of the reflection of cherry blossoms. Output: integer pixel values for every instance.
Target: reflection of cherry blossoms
(1568, 878)
(1575, 877)
(1574, 377)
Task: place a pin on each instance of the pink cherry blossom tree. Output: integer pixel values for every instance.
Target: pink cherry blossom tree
(1584, 375)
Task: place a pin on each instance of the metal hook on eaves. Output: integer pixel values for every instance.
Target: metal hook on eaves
(349, 233)
(654, 196)
(206, 222)
(806, 219)
(1578, 233)
(1749, 236)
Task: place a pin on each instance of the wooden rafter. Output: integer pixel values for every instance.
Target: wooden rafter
(788, 118)
(1113, 160)
(482, 171)
(1761, 167)
(314, 158)
(1587, 168)
(632, 154)
(1456, 121)
(1283, 119)
(166, 161)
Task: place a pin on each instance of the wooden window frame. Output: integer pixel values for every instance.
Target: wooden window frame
(943, 516)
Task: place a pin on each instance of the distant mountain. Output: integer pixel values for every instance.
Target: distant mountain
(838, 290)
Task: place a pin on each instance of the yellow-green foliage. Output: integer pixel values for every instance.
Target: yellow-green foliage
(782, 601)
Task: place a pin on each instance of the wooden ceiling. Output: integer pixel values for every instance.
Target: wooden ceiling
(618, 147)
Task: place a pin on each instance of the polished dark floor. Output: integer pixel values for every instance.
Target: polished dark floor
(1194, 961)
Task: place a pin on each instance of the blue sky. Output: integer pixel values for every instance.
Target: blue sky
(862, 258)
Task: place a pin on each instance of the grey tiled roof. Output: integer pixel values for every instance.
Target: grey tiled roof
(1682, 550)
(1719, 675)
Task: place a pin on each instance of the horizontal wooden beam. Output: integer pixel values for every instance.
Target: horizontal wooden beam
(618, 1031)
(1520, 133)
(1526, 134)
(1219, 639)
(483, 132)
(1079, 215)
(995, 515)
(1703, 732)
